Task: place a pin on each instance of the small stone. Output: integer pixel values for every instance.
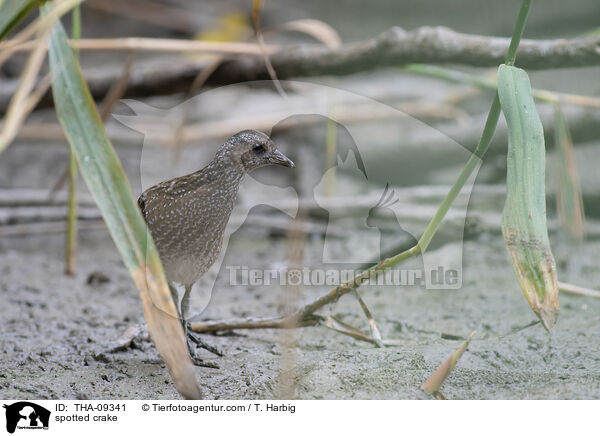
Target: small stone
(97, 278)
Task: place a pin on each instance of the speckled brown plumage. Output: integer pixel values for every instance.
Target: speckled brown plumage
(187, 215)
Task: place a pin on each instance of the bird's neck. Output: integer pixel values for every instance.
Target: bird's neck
(229, 173)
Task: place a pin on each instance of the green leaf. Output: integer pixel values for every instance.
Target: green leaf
(524, 215)
(12, 13)
(106, 180)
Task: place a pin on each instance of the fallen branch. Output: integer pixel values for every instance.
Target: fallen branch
(395, 47)
(305, 317)
(282, 322)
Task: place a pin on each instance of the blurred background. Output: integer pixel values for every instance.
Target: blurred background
(403, 127)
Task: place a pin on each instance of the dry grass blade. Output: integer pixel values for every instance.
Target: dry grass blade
(46, 228)
(197, 132)
(434, 383)
(295, 239)
(21, 104)
(32, 101)
(375, 334)
(569, 199)
(71, 236)
(333, 323)
(153, 45)
(578, 290)
(56, 10)
(491, 83)
(319, 30)
(117, 89)
(263, 48)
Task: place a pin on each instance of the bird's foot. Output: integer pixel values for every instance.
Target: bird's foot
(198, 361)
(194, 341)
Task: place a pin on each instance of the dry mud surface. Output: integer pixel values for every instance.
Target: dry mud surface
(57, 331)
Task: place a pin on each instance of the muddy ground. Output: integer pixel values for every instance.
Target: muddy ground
(57, 331)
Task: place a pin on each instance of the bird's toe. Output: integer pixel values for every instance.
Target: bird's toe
(195, 341)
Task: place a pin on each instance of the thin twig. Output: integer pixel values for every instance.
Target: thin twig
(574, 289)
(117, 89)
(34, 97)
(21, 103)
(149, 44)
(375, 334)
(282, 322)
(41, 24)
(71, 236)
(263, 48)
(520, 328)
(492, 84)
(318, 29)
(39, 228)
(569, 196)
(197, 132)
(339, 326)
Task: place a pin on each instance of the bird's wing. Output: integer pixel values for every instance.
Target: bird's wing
(197, 182)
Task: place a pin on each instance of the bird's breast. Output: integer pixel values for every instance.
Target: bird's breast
(188, 233)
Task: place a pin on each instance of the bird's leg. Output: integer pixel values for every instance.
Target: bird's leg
(192, 337)
(175, 297)
(183, 312)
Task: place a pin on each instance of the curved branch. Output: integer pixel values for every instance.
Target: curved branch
(434, 45)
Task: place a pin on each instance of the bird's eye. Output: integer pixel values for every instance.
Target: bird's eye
(258, 148)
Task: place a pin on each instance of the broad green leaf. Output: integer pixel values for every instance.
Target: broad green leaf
(524, 215)
(12, 12)
(106, 180)
(569, 200)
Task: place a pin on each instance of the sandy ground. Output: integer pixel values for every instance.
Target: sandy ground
(57, 331)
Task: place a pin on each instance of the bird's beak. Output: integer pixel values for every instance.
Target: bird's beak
(278, 158)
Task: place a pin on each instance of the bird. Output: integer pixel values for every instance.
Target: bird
(187, 215)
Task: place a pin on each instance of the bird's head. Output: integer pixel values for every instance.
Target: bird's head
(253, 149)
